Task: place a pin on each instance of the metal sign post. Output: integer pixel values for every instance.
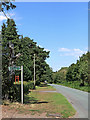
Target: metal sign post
(22, 84)
(18, 68)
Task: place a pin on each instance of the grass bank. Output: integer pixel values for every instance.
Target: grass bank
(51, 102)
(44, 100)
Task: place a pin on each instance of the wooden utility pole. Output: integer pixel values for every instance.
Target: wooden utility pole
(34, 70)
(22, 84)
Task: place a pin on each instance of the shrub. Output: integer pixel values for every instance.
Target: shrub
(27, 85)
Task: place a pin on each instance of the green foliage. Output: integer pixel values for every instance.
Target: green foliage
(6, 6)
(76, 85)
(79, 71)
(27, 48)
(60, 76)
(9, 33)
(48, 75)
(26, 86)
(76, 75)
(70, 74)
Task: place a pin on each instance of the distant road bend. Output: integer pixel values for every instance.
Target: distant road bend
(77, 98)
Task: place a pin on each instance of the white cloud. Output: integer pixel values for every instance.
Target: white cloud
(3, 17)
(71, 52)
(64, 49)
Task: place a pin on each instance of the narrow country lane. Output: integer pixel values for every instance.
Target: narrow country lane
(77, 98)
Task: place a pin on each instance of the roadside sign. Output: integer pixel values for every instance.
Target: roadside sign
(18, 68)
(14, 68)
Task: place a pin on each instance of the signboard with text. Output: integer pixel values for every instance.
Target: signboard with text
(13, 68)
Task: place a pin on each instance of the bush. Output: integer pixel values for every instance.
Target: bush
(18, 92)
(27, 85)
(37, 82)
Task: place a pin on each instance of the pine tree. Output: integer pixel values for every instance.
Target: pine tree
(9, 33)
(27, 48)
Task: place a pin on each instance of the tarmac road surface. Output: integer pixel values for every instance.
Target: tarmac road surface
(77, 98)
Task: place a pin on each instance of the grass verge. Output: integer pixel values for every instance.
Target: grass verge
(76, 85)
(51, 102)
(38, 102)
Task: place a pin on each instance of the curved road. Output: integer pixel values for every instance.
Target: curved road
(77, 98)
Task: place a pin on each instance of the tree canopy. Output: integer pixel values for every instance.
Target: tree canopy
(27, 48)
(6, 5)
(78, 72)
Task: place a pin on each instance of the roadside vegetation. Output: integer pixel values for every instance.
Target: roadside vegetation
(44, 100)
(27, 48)
(76, 75)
